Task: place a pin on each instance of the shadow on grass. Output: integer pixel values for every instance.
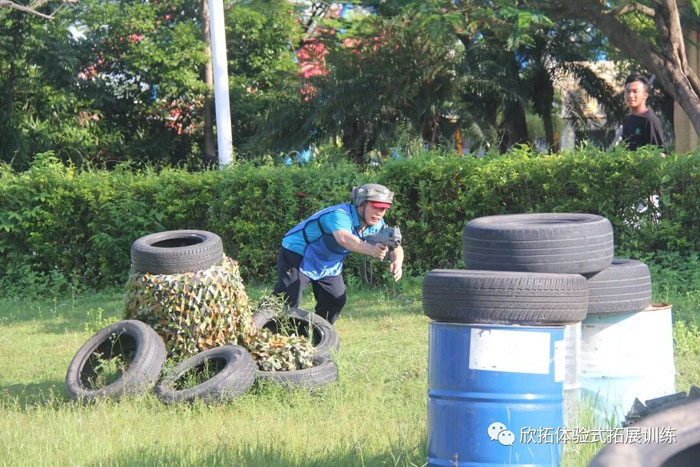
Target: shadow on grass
(222, 454)
(45, 393)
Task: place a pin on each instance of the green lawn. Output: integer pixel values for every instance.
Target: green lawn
(375, 415)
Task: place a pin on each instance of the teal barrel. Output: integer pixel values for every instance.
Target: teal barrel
(572, 382)
(626, 356)
(495, 394)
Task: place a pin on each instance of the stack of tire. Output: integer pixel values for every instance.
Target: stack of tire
(525, 282)
(598, 354)
(142, 351)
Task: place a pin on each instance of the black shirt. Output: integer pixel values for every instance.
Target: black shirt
(642, 129)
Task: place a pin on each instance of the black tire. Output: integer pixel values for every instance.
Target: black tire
(176, 251)
(550, 242)
(624, 287)
(323, 373)
(323, 336)
(120, 338)
(683, 452)
(235, 376)
(641, 409)
(463, 296)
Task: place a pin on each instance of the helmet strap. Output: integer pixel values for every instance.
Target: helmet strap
(362, 218)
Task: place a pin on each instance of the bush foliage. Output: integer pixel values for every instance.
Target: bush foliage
(68, 227)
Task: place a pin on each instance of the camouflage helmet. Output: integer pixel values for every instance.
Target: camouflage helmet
(372, 192)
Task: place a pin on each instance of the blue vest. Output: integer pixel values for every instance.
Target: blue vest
(323, 256)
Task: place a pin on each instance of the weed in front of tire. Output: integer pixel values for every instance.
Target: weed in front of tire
(109, 362)
(95, 320)
(199, 374)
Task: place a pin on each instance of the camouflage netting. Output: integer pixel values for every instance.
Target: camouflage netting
(283, 351)
(204, 309)
(278, 352)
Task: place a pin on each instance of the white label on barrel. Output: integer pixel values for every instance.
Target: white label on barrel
(509, 351)
(627, 344)
(559, 361)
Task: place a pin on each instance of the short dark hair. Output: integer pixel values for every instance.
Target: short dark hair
(637, 77)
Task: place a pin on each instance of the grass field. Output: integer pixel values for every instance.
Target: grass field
(375, 415)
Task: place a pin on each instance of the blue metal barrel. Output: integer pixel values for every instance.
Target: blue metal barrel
(495, 394)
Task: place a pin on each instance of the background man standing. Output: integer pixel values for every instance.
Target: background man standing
(642, 126)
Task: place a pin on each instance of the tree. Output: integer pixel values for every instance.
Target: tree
(262, 38)
(40, 108)
(505, 59)
(104, 81)
(142, 71)
(493, 86)
(650, 32)
(126, 80)
(368, 83)
(563, 51)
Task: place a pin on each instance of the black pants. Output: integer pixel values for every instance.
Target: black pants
(329, 292)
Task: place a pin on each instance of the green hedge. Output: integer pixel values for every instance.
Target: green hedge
(58, 225)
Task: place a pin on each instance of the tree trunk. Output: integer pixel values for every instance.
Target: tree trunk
(514, 113)
(12, 72)
(10, 94)
(544, 103)
(552, 145)
(667, 60)
(208, 76)
(515, 124)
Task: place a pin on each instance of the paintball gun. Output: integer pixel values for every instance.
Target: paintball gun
(389, 236)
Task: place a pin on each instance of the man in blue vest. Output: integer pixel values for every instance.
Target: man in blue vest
(313, 251)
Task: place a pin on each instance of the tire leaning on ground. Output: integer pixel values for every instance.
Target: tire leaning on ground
(176, 251)
(550, 242)
(236, 374)
(323, 373)
(465, 296)
(323, 336)
(624, 287)
(120, 338)
(683, 452)
(640, 409)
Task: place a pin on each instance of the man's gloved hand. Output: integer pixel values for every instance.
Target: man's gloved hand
(387, 237)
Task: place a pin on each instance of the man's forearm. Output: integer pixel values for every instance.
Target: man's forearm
(398, 254)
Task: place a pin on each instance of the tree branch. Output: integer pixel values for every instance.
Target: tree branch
(623, 37)
(675, 33)
(31, 9)
(632, 7)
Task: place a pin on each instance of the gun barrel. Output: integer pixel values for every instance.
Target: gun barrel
(389, 236)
